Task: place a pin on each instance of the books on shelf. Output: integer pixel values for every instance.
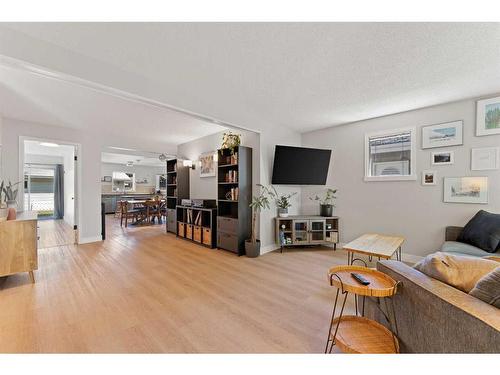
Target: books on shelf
(231, 176)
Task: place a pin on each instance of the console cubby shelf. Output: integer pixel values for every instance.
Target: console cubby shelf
(234, 194)
(197, 224)
(307, 230)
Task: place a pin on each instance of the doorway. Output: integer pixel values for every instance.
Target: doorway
(49, 189)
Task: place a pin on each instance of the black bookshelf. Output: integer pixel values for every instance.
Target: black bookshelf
(177, 189)
(234, 194)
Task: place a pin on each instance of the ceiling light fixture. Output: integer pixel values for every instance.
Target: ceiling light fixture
(162, 157)
(130, 164)
(49, 144)
(122, 148)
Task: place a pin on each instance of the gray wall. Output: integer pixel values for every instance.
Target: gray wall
(401, 207)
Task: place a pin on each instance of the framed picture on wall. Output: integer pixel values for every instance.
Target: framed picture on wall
(442, 158)
(488, 116)
(442, 135)
(428, 178)
(466, 190)
(486, 158)
(207, 164)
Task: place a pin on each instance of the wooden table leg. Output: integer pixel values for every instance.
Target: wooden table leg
(32, 276)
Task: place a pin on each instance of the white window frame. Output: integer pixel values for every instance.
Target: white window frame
(413, 155)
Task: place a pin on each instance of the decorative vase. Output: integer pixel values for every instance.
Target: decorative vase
(12, 204)
(252, 250)
(282, 212)
(326, 210)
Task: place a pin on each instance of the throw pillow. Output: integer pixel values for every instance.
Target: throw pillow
(461, 272)
(487, 288)
(482, 231)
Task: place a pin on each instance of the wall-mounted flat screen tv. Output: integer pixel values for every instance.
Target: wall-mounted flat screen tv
(300, 166)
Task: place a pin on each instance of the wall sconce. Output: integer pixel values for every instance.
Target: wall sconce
(188, 163)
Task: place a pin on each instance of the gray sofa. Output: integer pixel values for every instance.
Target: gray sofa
(433, 317)
(452, 246)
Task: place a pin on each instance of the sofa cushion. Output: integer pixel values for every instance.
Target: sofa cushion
(461, 272)
(461, 248)
(487, 288)
(482, 231)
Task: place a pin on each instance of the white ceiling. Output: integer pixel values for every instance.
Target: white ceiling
(30, 97)
(304, 75)
(138, 160)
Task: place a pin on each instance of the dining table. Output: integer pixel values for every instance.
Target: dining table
(144, 205)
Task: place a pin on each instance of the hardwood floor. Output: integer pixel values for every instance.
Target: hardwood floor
(54, 233)
(143, 290)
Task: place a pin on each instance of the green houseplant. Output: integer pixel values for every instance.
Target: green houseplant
(231, 141)
(10, 192)
(283, 201)
(326, 202)
(259, 202)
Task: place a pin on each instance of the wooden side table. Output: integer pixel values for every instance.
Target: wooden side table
(355, 333)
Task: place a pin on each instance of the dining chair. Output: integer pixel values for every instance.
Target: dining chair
(127, 213)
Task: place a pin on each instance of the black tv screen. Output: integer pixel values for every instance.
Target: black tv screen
(300, 166)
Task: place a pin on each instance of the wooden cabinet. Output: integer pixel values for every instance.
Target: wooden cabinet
(18, 245)
(307, 230)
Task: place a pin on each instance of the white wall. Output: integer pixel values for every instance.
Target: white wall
(407, 208)
(270, 137)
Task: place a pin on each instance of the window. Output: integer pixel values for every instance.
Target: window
(390, 155)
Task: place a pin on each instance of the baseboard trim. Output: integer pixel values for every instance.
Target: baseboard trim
(268, 248)
(410, 258)
(84, 240)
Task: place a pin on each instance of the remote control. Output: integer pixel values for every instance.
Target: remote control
(360, 279)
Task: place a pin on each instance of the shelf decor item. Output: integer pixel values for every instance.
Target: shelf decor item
(484, 159)
(259, 203)
(488, 116)
(326, 203)
(355, 333)
(230, 141)
(443, 135)
(466, 190)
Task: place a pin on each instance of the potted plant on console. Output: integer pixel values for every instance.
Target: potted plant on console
(259, 202)
(10, 192)
(326, 202)
(283, 202)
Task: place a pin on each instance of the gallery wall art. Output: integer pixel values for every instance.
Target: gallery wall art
(488, 116)
(466, 190)
(443, 135)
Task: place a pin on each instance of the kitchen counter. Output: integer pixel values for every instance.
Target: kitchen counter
(110, 199)
(128, 193)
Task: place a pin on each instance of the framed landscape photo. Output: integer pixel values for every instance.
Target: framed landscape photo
(428, 178)
(466, 190)
(207, 164)
(442, 135)
(442, 158)
(486, 158)
(488, 116)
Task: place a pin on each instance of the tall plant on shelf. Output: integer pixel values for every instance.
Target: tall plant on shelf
(259, 203)
(326, 202)
(231, 141)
